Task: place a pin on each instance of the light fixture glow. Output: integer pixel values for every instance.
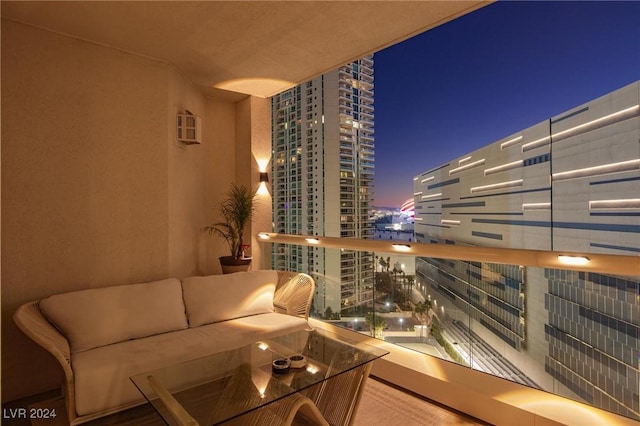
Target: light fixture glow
(501, 185)
(262, 189)
(264, 236)
(503, 167)
(573, 260)
(536, 206)
(466, 166)
(312, 369)
(312, 240)
(424, 197)
(263, 346)
(260, 87)
(631, 203)
(264, 179)
(401, 247)
(544, 141)
(597, 120)
(510, 142)
(262, 164)
(536, 144)
(623, 166)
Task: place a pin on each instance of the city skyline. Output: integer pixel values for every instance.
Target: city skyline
(323, 172)
(483, 76)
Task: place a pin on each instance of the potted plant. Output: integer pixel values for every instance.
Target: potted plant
(237, 209)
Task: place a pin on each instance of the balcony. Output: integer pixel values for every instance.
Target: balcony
(365, 116)
(365, 107)
(149, 215)
(457, 304)
(367, 61)
(365, 76)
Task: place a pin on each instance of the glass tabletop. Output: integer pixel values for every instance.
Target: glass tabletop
(223, 386)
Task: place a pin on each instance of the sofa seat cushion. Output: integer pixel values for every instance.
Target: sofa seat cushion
(217, 298)
(272, 324)
(103, 316)
(102, 374)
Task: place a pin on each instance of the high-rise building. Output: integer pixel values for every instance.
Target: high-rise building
(323, 170)
(570, 183)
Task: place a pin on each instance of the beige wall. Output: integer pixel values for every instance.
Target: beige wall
(261, 148)
(95, 189)
(253, 124)
(187, 189)
(219, 172)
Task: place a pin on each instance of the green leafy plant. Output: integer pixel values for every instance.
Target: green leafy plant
(237, 209)
(376, 324)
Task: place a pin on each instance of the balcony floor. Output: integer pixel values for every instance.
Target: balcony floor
(382, 404)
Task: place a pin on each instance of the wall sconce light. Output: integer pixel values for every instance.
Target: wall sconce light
(264, 236)
(264, 179)
(401, 247)
(574, 260)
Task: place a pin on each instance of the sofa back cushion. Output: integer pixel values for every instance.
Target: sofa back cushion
(102, 316)
(216, 298)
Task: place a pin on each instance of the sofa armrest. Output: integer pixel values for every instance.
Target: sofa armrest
(30, 320)
(294, 293)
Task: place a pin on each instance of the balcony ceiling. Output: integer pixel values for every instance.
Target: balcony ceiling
(245, 47)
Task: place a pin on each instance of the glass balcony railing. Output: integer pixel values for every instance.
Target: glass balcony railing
(569, 330)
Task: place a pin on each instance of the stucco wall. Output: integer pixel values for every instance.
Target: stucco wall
(95, 190)
(186, 189)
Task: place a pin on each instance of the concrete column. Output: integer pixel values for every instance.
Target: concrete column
(253, 155)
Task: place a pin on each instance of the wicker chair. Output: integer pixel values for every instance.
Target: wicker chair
(294, 293)
(239, 395)
(339, 397)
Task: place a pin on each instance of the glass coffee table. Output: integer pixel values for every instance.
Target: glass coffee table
(311, 374)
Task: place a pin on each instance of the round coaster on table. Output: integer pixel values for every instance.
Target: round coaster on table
(281, 366)
(298, 361)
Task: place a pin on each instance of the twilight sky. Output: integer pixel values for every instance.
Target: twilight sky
(481, 77)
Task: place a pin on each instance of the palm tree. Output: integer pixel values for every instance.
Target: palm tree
(395, 282)
(404, 282)
(411, 279)
(383, 264)
(424, 312)
(237, 209)
(376, 324)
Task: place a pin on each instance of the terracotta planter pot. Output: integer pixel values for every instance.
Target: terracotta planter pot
(230, 264)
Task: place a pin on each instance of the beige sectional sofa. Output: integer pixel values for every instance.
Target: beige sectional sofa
(103, 336)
